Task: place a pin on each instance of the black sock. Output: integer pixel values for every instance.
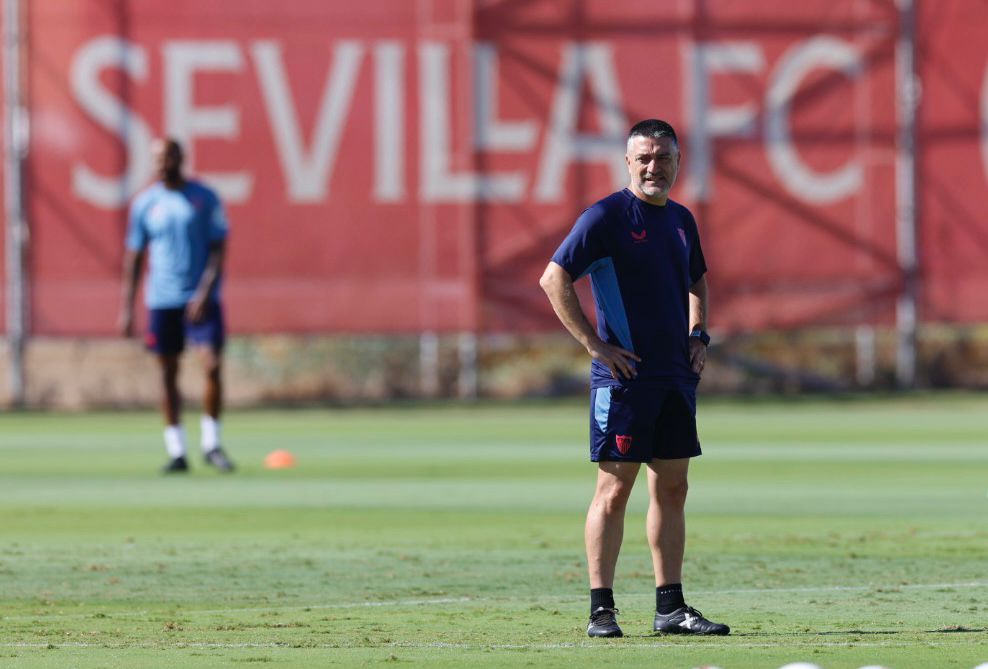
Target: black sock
(601, 597)
(669, 597)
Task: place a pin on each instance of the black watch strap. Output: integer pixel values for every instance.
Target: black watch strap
(701, 335)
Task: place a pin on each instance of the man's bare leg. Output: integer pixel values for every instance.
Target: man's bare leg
(212, 408)
(666, 520)
(171, 411)
(604, 533)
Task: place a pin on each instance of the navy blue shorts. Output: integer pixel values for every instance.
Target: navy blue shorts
(168, 329)
(639, 424)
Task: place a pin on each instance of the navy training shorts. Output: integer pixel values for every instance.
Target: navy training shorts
(168, 329)
(639, 424)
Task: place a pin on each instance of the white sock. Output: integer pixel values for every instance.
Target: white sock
(175, 441)
(210, 433)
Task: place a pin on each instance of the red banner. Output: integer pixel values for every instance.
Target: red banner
(953, 177)
(406, 166)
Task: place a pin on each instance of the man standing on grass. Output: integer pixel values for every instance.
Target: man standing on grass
(181, 225)
(642, 252)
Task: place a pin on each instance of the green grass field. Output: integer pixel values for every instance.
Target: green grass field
(845, 533)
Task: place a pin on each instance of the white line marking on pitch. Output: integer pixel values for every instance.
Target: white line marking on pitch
(482, 600)
(788, 643)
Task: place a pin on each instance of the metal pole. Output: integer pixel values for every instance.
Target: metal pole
(865, 358)
(468, 381)
(472, 248)
(429, 363)
(907, 93)
(15, 148)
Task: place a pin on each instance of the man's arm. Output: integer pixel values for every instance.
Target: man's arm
(196, 309)
(133, 262)
(558, 287)
(698, 321)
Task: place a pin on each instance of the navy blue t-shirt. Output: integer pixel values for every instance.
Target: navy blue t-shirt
(642, 260)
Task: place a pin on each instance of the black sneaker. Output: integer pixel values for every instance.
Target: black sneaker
(687, 620)
(176, 466)
(218, 459)
(604, 623)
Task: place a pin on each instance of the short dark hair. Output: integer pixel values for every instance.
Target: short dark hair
(653, 127)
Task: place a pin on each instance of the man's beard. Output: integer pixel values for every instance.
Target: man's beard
(653, 189)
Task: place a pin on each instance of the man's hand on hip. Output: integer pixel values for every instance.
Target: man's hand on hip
(698, 355)
(618, 360)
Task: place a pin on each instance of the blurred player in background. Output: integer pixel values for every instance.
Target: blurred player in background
(181, 225)
(642, 252)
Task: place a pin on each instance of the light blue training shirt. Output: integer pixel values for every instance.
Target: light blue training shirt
(178, 227)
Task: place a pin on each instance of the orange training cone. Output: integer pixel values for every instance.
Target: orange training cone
(279, 459)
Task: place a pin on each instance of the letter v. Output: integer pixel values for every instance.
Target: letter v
(307, 172)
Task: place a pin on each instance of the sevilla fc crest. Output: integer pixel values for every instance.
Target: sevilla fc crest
(623, 443)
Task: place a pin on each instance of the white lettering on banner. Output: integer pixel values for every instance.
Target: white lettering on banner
(984, 125)
(389, 121)
(307, 173)
(703, 60)
(794, 174)
(307, 158)
(438, 182)
(563, 144)
(113, 114)
(185, 121)
(489, 132)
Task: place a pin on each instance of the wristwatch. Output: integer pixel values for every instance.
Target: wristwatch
(701, 335)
